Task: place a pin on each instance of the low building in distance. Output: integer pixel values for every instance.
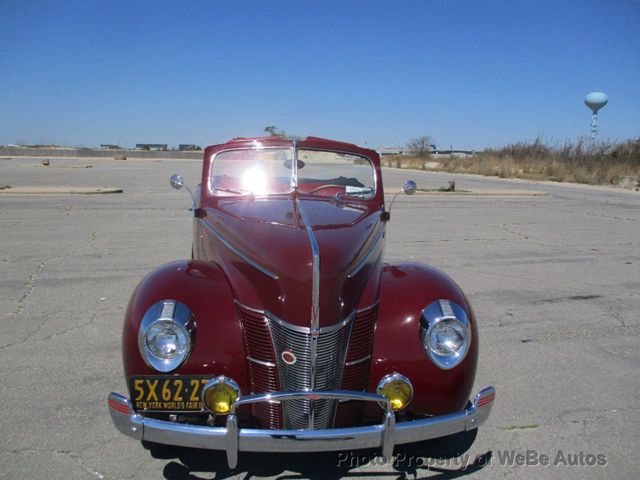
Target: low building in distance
(189, 147)
(384, 151)
(152, 146)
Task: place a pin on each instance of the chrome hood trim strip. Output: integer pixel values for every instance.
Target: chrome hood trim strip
(315, 299)
(237, 252)
(315, 257)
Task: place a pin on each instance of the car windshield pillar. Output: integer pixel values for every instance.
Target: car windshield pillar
(294, 167)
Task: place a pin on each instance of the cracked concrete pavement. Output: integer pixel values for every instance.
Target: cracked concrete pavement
(554, 281)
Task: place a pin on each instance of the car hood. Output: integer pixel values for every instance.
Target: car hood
(271, 233)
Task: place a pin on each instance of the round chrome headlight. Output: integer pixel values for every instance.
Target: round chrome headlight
(445, 333)
(447, 337)
(165, 335)
(167, 340)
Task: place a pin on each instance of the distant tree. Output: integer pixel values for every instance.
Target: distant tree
(274, 132)
(420, 147)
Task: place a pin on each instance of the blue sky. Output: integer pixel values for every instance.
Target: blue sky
(470, 74)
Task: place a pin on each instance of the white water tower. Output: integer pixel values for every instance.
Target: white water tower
(595, 101)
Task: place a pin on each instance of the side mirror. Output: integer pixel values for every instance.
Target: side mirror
(409, 188)
(177, 181)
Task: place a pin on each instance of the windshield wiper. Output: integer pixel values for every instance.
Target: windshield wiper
(358, 191)
(237, 192)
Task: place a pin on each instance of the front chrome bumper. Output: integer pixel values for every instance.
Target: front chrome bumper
(233, 439)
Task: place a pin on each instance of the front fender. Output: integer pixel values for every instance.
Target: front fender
(405, 290)
(202, 286)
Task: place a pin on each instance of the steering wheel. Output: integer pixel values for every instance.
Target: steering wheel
(329, 185)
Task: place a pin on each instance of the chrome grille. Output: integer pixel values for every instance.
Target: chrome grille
(348, 371)
(263, 375)
(356, 370)
(332, 343)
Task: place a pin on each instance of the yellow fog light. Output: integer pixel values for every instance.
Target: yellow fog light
(220, 394)
(397, 389)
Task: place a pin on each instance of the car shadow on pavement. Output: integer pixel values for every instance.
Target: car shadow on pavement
(441, 458)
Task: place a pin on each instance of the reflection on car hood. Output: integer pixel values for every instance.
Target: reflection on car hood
(272, 234)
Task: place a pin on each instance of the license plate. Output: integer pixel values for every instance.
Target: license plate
(167, 394)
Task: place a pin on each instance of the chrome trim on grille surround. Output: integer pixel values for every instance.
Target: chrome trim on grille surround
(260, 362)
(357, 361)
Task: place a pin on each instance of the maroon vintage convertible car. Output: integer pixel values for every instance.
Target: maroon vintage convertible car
(286, 332)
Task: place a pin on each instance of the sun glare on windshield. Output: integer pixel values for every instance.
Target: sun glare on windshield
(267, 171)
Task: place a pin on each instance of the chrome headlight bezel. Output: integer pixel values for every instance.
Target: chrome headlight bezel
(434, 316)
(172, 314)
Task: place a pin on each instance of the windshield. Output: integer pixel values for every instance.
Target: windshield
(330, 173)
(269, 171)
(257, 172)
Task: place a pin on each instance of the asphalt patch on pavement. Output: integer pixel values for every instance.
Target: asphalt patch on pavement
(476, 193)
(48, 190)
(573, 298)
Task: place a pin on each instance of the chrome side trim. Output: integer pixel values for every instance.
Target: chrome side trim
(260, 362)
(254, 310)
(370, 307)
(234, 439)
(359, 360)
(237, 252)
(367, 255)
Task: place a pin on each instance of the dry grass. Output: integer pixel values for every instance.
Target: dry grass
(579, 162)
